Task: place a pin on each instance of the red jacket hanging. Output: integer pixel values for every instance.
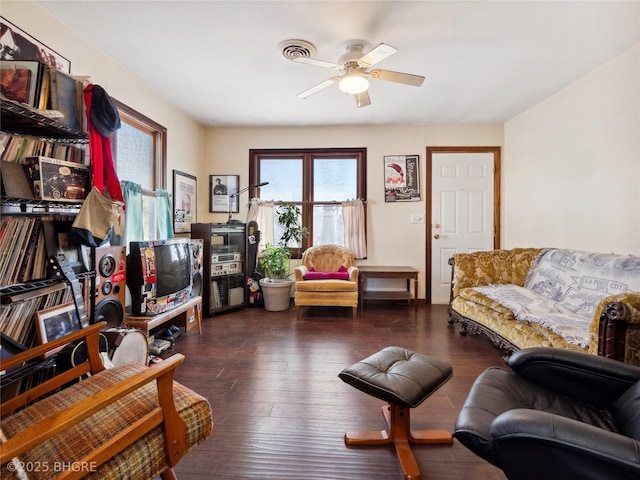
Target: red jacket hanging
(104, 171)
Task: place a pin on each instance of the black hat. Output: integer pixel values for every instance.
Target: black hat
(104, 114)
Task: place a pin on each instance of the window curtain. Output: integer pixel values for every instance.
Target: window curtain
(262, 213)
(163, 212)
(132, 193)
(354, 227)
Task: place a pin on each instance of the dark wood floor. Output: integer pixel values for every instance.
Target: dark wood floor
(280, 411)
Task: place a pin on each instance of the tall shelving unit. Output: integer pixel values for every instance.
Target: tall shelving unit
(223, 265)
(18, 119)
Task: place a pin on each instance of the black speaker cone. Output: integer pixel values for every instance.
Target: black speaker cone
(110, 311)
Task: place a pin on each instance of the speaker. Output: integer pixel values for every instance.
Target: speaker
(197, 246)
(111, 281)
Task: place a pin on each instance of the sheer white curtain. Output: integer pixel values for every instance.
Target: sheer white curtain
(262, 212)
(354, 227)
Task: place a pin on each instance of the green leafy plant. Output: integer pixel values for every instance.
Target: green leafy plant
(274, 260)
(288, 217)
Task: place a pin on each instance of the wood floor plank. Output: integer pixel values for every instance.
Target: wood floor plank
(280, 410)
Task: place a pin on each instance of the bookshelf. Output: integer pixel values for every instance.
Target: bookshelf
(21, 119)
(29, 227)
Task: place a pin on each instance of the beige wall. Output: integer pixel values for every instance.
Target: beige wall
(572, 165)
(392, 239)
(185, 139)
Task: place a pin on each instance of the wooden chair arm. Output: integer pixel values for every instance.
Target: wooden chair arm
(166, 414)
(93, 365)
(91, 333)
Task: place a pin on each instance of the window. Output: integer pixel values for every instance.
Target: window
(140, 149)
(317, 180)
(140, 155)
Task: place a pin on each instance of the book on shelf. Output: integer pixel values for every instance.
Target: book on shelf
(16, 148)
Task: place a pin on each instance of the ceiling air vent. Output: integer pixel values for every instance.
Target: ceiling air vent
(292, 49)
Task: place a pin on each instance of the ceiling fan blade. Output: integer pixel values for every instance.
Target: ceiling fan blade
(376, 55)
(317, 88)
(318, 63)
(362, 99)
(398, 77)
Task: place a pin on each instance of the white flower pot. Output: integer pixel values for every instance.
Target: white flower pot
(276, 294)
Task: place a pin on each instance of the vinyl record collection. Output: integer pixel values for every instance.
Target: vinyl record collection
(17, 312)
(22, 250)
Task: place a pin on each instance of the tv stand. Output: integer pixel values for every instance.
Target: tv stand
(190, 311)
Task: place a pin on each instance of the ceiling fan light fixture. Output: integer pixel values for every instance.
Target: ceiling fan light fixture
(353, 83)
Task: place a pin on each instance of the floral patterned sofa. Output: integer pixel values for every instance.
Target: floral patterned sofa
(532, 297)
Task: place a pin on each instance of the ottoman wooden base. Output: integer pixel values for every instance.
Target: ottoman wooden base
(399, 433)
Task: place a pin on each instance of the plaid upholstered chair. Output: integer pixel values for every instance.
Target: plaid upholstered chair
(328, 276)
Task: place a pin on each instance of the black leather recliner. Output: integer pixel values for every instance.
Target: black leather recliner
(559, 415)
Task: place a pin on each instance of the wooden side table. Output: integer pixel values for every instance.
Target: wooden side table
(369, 271)
(191, 309)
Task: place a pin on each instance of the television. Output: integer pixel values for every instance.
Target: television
(158, 275)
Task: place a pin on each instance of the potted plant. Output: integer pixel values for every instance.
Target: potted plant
(274, 260)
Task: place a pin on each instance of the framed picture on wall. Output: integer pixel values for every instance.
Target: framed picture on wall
(401, 178)
(223, 191)
(16, 44)
(185, 190)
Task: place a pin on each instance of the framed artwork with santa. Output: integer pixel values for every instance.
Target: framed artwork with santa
(401, 178)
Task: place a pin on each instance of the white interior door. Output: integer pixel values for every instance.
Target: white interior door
(462, 211)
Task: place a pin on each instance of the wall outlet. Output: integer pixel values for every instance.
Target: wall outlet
(417, 218)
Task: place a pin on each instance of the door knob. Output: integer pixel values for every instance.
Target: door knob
(436, 235)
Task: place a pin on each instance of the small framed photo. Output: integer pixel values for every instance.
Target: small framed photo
(56, 322)
(401, 178)
(223, 193)
(185, 193)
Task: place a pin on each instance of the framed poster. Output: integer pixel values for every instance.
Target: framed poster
(16, 44)
(401, 178)
(56, 322)
(223, 193)
(185, 194)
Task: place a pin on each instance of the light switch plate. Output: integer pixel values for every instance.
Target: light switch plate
(417, 218)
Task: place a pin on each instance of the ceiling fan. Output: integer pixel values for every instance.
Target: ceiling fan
(356, 67)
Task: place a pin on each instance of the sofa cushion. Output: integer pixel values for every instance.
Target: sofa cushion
(627, 412)
(143, 459)
(477, 297)
(340, 274)
(326, 286)
(493, 266)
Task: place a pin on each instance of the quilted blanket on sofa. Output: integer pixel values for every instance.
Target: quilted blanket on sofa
(564, 287)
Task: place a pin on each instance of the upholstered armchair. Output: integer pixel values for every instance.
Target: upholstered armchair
(559, 414)
(328, 276)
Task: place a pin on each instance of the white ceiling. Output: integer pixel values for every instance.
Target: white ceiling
(484, 62)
